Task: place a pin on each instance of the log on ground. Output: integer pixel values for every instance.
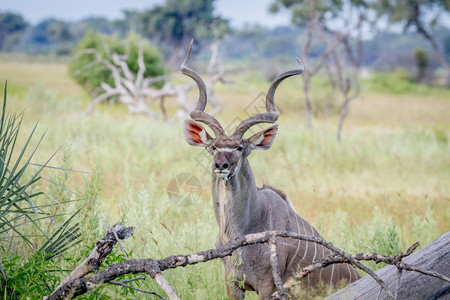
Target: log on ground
(413, 285)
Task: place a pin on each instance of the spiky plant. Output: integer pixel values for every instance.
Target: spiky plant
(23, 215)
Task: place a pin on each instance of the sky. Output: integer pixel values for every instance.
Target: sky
(239, 12)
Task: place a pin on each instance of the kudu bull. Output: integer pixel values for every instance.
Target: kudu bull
(242, 208)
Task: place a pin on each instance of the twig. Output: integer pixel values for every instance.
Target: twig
(165, 285)
(336, 259)
(383, 285)
(122, 283)
(120, 244)
(132, 279)
(408, 267)
(141, 64)
(276, 269)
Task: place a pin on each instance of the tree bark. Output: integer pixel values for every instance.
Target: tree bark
(413, 285)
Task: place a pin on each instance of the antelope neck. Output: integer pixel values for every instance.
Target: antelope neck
(235, 202)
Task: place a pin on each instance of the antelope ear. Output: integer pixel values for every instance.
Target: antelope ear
(195, 134)
(264, 139)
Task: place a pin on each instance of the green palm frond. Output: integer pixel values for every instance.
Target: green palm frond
(16, 204)
(62, 239)
(21, 211)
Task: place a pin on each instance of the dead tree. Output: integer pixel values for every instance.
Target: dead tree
(216, 73)
(129, 88)
(135, 91)
(338, 52)
(77, 283)
(180, 92)
(343, 78)
(332, 39)
(348, 86)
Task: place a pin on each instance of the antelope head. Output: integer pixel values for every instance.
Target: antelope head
(230, 151)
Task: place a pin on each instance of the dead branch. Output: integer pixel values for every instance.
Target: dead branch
(80, 285)
(166, 287)
(317, 28)
(342, 78)
(313, 29)
(129, 89)
(276, 269)
(124, 284)
(102, 249)
(216, 73)
(377, 258)
(134, 89)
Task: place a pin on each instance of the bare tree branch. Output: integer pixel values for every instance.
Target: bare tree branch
(99, 99)
(102, 249)
(119, 242)
(165, 285)
(130, 280)
(124, 284)
(276, 269)
(77, 285)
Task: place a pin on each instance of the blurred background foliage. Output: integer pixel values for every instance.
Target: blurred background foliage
(170, 26)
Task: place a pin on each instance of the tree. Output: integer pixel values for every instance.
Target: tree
(12, 27)
(421, 57)
(318, 16)
(90, 76)
(50, 31)
(111, 69)
(99, 24)
(50, 36)
(447, 48)
(176, 22)
(418, 15)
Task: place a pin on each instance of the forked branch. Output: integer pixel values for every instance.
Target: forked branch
(77, 284)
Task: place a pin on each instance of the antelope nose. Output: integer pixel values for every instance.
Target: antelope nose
(221, 166)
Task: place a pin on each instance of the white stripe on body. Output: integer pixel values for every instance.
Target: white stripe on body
(349, 272)
(356, 273)
(299, 232)
(332, 273)
(306, 248)
(315, 247)
(321, 269)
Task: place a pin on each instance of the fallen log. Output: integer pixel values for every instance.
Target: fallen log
(406, 284)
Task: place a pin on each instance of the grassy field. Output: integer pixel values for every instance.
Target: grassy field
(386, 186)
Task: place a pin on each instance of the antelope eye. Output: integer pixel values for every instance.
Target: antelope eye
(213, 147)
(240, 148)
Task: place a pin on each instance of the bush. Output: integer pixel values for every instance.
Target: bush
(422, 61)
(397, 83)
(90, 75)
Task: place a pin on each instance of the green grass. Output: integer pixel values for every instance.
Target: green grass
(385, 187)
(400, 83)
